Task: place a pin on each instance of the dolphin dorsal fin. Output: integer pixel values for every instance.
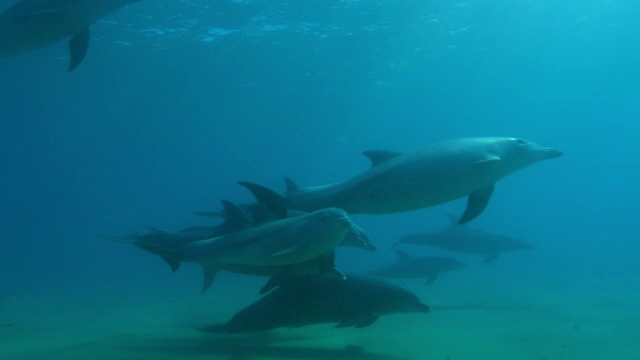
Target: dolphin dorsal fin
(378, 157)
(402, 255)
(235, 218)
(291, 186)
(273, 201)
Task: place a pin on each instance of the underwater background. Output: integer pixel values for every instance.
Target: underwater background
(177, 101)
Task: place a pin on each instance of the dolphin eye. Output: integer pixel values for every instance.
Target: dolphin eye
(521, 142)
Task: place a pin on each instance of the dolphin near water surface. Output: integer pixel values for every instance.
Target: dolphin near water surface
(32, 24)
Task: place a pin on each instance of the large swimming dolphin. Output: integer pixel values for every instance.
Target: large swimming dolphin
(32, 24)
(161, 243)
(408, 267)
(437, 174)
(278, 243)
(356, 301)
(464, 239)
(260, 214)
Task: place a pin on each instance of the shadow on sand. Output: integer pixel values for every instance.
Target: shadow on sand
(249, 346)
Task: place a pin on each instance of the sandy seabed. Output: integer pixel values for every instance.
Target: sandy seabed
(559, 327)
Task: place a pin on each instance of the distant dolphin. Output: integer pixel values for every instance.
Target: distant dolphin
(408, 267)
(437, 174)
(467, 240)
(357, 301)
(32, 24)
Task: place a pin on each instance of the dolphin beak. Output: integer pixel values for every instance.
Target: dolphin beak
(553, 153)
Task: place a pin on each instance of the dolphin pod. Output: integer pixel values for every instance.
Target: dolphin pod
(437, 174)
(32, 24)
(292, 238)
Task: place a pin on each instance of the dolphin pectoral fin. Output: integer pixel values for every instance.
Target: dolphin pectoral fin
(431, 279)
(327, 263)
(335, 274)
(209, 275)
(172, 261)
(490, 257)
(273, 201)
(476, 203)
(487, 163)
(78, 46)
(378, 157)
(273, 281)
(358, 321)
(289, 250)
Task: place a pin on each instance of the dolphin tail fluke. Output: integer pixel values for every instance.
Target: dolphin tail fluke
(78, 46)
(273, 201)
(166, 254)
(476, 203)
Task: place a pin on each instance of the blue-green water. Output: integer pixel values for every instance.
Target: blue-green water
(176, 101)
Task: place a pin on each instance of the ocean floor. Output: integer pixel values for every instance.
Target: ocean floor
(541, 328)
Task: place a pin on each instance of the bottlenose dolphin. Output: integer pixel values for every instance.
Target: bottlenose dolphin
(32, 24)
(281, 242)
(260, 214)
(465, 239)
(356, 301)
(408, 267)
(437, 174)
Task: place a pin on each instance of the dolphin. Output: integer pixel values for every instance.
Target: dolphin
(464, 239)
(32, 24)
(398, 182)
(407, 267)
(356, 301)
(281, 242)
(260, 214)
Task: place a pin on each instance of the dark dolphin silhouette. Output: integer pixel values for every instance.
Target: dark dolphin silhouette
(32, 24)
(464, 239)
(408, 267)
(356, 301)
